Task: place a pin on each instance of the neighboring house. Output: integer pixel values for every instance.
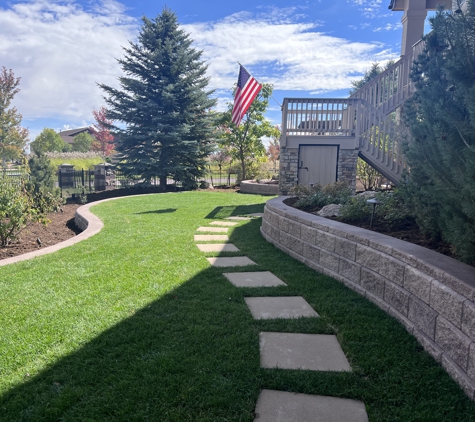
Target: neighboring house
(68, 135)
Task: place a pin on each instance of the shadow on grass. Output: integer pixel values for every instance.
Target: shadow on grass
(234, 211)
(193, 355)
(164, 211)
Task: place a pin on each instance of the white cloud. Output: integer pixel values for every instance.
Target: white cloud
(389, 27)
(290, 55)
(369, 8)
(61, 51)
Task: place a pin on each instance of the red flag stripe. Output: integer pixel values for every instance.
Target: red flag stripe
(244, 95)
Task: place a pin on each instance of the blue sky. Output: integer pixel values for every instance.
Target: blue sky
(307, 48)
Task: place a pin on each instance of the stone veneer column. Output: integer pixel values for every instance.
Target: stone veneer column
(347, 160)
(289, 162)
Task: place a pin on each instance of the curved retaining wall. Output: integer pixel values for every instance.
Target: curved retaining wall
(249, 186)
(431, 294)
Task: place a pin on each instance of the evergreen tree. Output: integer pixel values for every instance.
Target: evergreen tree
(163, 102)
(441, 116)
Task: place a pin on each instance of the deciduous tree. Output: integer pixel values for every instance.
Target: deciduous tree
(82, 142)
(244, 142)
(103, 139)
(13, 137)
(163, 102)
(48, 141)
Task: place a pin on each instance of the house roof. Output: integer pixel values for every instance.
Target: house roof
(68, 135)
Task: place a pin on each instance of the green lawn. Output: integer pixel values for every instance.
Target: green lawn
(134, 325)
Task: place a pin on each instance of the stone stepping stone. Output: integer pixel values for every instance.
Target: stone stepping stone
(279, 307)
(238, 218)
(217, 247)
(235, 261)
(314, 352)
(209, 237)
(254, 279)
(275, 406)
(213, 229)
(223, 223)
(256, 214)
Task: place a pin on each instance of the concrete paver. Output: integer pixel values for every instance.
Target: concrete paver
(280, 406)
(223, 223)
(210, 237)
(254, 279)
(213, 229)
(314, 352)
(217, 247)
(235, 261)
(238, 218)
(279, 307)
(256, 214)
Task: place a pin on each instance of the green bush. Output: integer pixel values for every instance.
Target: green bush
(391, 212)
(16, 209)
(317, 196)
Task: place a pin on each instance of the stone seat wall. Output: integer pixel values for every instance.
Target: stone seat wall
(431, 294)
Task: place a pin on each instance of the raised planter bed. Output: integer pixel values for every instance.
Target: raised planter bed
(431, 294)
(251, 186)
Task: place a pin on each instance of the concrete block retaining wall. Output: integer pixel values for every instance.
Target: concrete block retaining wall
(432, 295)
(249, 186)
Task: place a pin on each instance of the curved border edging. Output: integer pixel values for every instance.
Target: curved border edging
(84, 219)
(247, 186)
(431, 294)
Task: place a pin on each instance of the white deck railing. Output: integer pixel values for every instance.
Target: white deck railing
(379, 137)
(319, 116)
(391, 88)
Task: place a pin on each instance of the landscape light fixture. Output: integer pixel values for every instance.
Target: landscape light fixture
(374, 202)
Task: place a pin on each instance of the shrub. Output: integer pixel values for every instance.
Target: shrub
(334, 193)
(391, 212)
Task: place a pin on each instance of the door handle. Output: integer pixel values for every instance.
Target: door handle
(302, 167)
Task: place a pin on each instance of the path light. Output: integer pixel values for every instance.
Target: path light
(374, 202)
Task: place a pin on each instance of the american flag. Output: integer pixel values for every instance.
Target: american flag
(247, 89)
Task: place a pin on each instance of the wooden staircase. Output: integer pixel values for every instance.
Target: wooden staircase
(364, 118)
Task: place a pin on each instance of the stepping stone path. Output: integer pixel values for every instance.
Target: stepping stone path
(279, 307)
(223, 223)
(213, 229)
(235, 261)
(256, 279)
(217, 247)
(209, 237)
(313, 352)
(273, 406)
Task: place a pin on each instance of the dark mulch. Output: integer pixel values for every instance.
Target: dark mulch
(60, 228)
(408, 231)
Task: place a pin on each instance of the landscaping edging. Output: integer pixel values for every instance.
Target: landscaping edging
(250, 186)
(431, 294)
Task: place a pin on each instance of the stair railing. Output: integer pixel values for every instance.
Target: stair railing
(392, 87)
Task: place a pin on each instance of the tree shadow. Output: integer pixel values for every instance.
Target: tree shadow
(190, 355)
(164, 211)
(231, 211)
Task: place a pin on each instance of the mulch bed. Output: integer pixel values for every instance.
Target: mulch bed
(60, 228)
(408, 231)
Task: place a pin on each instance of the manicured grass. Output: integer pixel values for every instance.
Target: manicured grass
(78, 163)
(133, 324)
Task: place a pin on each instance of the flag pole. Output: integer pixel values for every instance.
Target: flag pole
(280, 105)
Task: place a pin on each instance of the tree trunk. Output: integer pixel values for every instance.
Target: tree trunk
(163, 182)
